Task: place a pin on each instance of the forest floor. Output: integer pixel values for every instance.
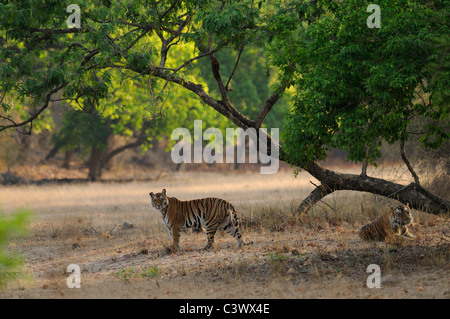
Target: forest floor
(317, 255)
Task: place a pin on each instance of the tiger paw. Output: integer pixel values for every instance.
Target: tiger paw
(172, 250)
(207, 246)
(409, 236)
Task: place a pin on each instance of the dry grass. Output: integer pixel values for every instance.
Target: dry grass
(312, 256)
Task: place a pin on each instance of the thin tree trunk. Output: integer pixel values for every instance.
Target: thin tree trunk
(67, 158)
(236, 164)
(95, 164)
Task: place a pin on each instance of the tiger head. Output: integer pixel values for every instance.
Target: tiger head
(401, 216)
(159, 200)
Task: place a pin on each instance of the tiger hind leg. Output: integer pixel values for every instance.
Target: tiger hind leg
(210, 234)
(231, 226)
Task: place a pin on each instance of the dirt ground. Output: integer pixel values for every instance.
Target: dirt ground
(318, 255)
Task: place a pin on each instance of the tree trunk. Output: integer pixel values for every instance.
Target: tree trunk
(67, 159)
(236, 164)
(95, 164)
(99, 160)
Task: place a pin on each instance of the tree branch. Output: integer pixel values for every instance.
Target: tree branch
(59, 31)
(316, 195)
(35, 115)
(234, 69)
(144, 32)
(228, 111)
(161, 17)
(268, 105)
(193, 59)
(364, 168)
(166, 43)
(140, 139)
(414, 195)
(215, 66)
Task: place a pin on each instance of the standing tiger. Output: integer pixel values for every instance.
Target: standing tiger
(393, 222)
(212, 213)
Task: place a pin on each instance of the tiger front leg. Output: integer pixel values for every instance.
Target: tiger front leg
(174, 239)
(404, 231)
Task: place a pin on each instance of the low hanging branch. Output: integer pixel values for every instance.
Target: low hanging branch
(269, 104)
(315, 196)
(413, 194)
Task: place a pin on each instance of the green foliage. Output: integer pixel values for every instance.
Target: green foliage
(104, 67)
(357, 86)
(127, 110)
(232, 22)
(277, 257)
(150, 272)
(10, 227)
(128, 273)
(131, 61)
(82, 129)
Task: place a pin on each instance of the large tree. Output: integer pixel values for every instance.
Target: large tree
(359, 87)
(356, 86)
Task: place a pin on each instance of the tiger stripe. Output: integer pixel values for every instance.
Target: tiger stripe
(393, 222)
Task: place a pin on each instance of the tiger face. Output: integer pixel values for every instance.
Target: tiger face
(159, 200)
(401, 217)
(394, 222)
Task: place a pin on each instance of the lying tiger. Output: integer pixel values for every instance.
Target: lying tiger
(393, 222)
(212, 213)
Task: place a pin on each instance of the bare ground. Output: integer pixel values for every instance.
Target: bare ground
(318, 255)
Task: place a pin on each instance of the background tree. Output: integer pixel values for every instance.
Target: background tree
(139, 112)
(354, 84)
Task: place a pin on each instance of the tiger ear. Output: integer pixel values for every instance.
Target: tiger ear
(164, 191)
(151, 194)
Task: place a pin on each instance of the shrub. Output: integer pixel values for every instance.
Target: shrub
(10, 227)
